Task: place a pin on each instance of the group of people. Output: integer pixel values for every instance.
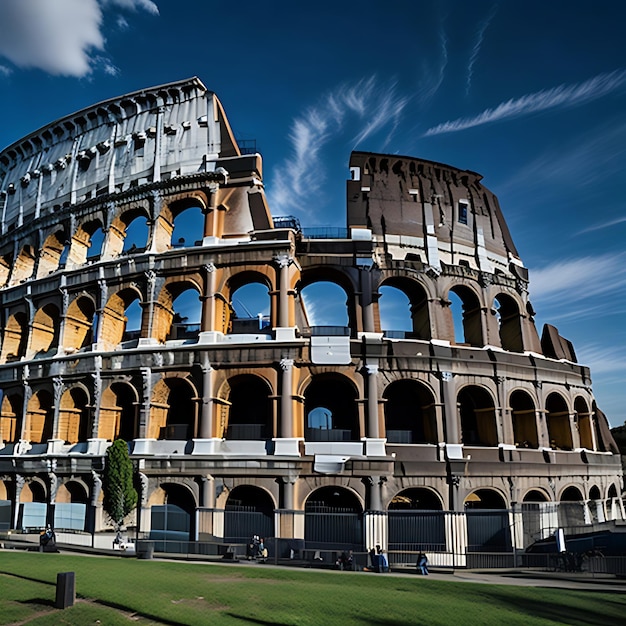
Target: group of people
(256, 549)
(378, 560)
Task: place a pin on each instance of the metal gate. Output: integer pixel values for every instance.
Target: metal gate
(413, 530)
(488, 531)
(242, 522)
(332, 528)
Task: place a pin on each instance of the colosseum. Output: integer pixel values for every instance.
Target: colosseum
(148, 294)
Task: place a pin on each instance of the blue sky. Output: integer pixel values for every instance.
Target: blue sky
(531, 94)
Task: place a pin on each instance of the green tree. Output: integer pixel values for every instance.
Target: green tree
(120, 495)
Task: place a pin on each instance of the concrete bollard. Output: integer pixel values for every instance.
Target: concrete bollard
(66, 590)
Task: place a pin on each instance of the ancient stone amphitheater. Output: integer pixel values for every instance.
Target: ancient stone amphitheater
(133, 231)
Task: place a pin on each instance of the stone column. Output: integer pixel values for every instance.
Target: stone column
(206, 422)
(372, 402)
(286, 403)
(449, 401)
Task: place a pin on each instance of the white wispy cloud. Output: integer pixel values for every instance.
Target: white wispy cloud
(602, 359)
(62, 38)
(578, 278)
(561, 96)
(4, 70)
(602, 225)
(433, 74)
(376, 107)
(478, 42)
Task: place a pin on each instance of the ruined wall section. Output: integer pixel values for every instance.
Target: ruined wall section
(430, 212)
(145, 137)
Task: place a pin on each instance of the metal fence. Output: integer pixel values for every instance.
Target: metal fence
(243, 522)
(332, 528)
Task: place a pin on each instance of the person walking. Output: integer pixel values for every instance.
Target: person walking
(422, 563)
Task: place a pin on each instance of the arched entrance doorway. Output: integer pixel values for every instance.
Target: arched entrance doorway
(571, 509)
(71, 507)
(488, 526)
(249, 511)
(416, 523)
(173, 521)
(333, 520)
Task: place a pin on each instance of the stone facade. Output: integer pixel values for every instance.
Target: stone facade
(270, 413)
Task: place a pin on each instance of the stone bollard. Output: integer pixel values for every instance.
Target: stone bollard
(66, 590)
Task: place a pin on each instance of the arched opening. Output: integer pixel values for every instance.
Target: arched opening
(6, 264)
(44, 339)
(524, 418)
(249, 511)
(15, 338)
(249, 408)
(325, 308)
(333, 519)
(136, 233)
(174, 520)
(11, 417)
(178, 313)
(478, 417)
(86, 244)
(557, 418)
(39, 417)
(118, 417)
(7, 498)
(79, 324)
(330, 409)
(487, 522)
(535, 495)
(416, 522)
(509, 323)
(403, 309)
(33, 508)
(612, 493)
(585, 423)
(74, 422)
(51, 253)
(572, 494)
(410, 415)
(250, 309)
(71, 506)
(121, 318)
(188, 227)
(466, 315)
(571, 508)
(173, 410)
(24, 265)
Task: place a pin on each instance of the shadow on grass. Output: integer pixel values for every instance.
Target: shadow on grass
(39, 602)
(254, 620)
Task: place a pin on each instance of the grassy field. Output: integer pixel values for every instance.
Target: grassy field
(113, 591)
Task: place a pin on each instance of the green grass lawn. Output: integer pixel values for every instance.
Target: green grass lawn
(122, 591)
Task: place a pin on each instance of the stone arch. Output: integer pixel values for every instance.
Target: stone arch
(237, 317)
(175, 518)
(118, 415)
(558, 422)
(166, 321)
(410, 413)
(572, 493)
(164, 235)
(121, 229)
(612, 491)
(317, 282)
(330, 409)
(536, 495)
(485, 499)
(471, 315)
(585, 422)
(246, 408)
(6, 264)
(477, 413)
(79, 324)
(44, 338)
(73, 491)
(507, 313)
(39, 417)
(11, 417)
(15, 338)
(187, 221)
(333, 517)
(74, 415)
(174, 409)
(34, 490)
(86, 243)
(416, 499)
(24, 265)
(594, 493)
(524, 419)
(417, 318)
(51, 253)
(114, 319)
(249, 511)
